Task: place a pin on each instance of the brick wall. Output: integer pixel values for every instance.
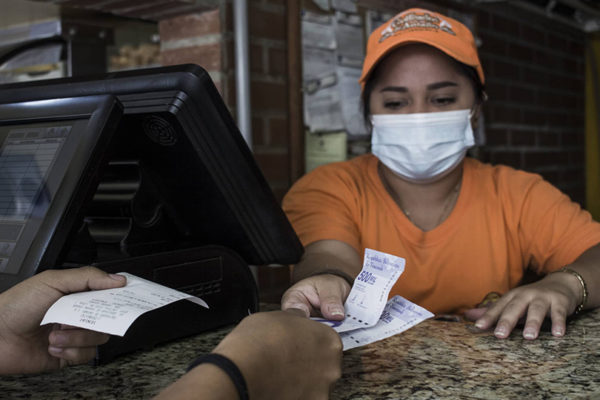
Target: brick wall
(535, 115)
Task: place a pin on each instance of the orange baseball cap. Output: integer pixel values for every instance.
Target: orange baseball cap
(417, 25)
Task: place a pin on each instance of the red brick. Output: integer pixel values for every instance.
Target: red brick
(576, 157)
(520, 52)
(505, 69)
(548, 139)
(258, 131)
(535, 76)
(510, 158)
(268, 95)
(522, 138)
(532, 117)
(278, 132)
(231, 97)
(558, 42)
(266, 24)
(502, 113)
(256, 58)
(275, 167)
(551, 176)
(521, 94)
(496, 91)
(504, 25)
(228, 54)
(572, 137)
(533, 35)
(545, 159)
(277, 2)
(207, 56)
(572, 175)
(496, 137)
(277, 61)
(493, 45)
(279, 193)
(191, 25)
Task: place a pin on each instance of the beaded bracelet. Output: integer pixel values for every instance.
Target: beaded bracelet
(583, 286)
(228, 367)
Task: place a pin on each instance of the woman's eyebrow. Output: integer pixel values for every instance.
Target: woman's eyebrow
(439, 85)
(431, 86)
(400, 89)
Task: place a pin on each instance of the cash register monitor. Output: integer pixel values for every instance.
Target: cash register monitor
(125, 165)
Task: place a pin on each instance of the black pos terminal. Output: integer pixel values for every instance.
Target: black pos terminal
(142, 172)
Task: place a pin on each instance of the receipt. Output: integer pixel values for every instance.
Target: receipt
(398, 315)
(114, 310)
(370, 290)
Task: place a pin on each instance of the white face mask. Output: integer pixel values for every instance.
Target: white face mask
(422, 147)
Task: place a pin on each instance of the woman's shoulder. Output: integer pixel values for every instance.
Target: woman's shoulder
(353, 170)
(500, 174)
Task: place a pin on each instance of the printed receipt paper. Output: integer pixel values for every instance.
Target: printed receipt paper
(114, 310)
(370, 316)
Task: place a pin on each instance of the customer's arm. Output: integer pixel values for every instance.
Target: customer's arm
(323, 279)
(280, 355)
(27, 347)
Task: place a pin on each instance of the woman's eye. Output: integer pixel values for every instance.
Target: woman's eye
(443, 101)
(394, 104)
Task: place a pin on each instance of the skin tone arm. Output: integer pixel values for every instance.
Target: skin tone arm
(557, 295)
(324, 294)
(281, 356)
(27, 347)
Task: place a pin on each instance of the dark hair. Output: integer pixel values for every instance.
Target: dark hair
(466, 70)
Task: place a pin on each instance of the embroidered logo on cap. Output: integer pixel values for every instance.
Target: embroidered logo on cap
(416, 21)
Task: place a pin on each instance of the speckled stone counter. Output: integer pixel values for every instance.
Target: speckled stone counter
(436, 359)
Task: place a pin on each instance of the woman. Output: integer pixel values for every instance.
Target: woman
(465, 228)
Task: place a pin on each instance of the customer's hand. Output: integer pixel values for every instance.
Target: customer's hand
(320, 295)
(281, 356)
(27, 347)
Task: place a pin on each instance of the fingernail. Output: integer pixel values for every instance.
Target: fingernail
(57, 338)
(558, 332)
(117, 277)
(55, 350)
(528, 334)
(479, 324)
(336, 310)
(500, 331)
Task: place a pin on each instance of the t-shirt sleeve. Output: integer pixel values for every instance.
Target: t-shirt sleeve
(553, 230)
(323, 205)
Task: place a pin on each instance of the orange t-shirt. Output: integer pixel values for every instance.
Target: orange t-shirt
(504, 221)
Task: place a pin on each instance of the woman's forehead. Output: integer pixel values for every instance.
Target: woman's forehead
(417, 64)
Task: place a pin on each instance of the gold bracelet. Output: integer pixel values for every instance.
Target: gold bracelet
(583, 286)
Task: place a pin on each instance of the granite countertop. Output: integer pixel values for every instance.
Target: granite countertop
(436, 359)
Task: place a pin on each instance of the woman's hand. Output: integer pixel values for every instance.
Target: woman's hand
(320, 295)
(27, 347)
(555, 296)
(320, 288)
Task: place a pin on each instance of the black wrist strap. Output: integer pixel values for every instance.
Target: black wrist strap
(228, 367)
